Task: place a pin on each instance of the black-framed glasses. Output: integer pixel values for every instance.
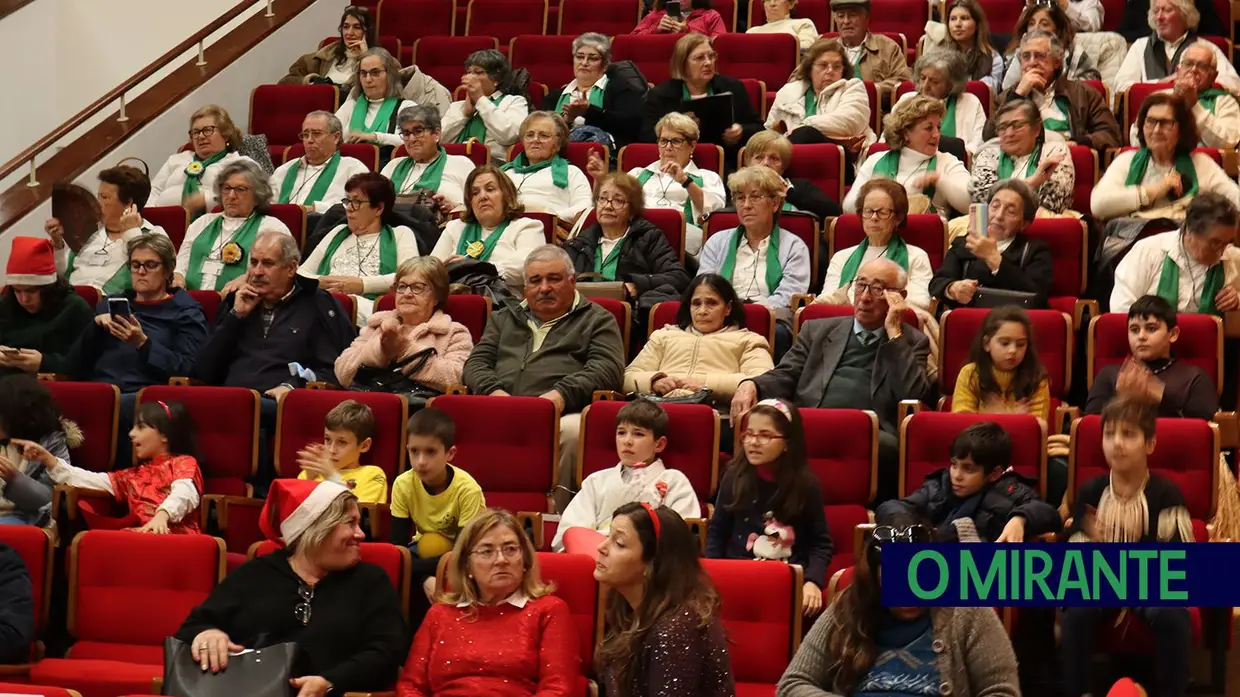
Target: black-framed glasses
(877, 213)
(417, 132)
(353, 203)
(374, 72)
(137, 266)
(239, 190)
(872, 287)
(412, 288)
(302, 610)
(205, 132)
(911, 533)
(672, 142)
(1011, 125)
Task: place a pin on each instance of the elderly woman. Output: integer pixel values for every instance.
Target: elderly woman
(936, 181)
(1050, 18)
(490, 228)
(601, 95)
(825, 102)
(360, 258)
(545, 181)
(335, 63)
(708, 346)
(40, 315)
(1022, 152)
(315, 181)
(779, 21)
(370, 113)
(941, 75)
(693, 76)
(884, 211)
(188, 178)
(101, 260)
(695, 16)
(1154, 58)
(315, 590)
(427, 168)
(495, 592)
(675, 181)
(968, 34)
(215, 250)
(1162, 177)
(1000, 258)
(493, 108)
(417, 323)
(764, 263)
(623, 246)
(771, 149)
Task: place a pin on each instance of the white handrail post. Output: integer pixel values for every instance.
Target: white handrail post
(202, 56)
(33, 182)
(123, 117)
(270, 12)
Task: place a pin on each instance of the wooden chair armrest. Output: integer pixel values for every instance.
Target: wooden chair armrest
(373, 514)
(800, 300)
(1065, 414)
(908, 407)
(73, 494)
(182, 381)
(532, 523)
(157, 686)
(320, 385)
(54, 377)
(1228, 429)
(607, 396)
(15, 670)
(934, 307)
(938, 407)
(1231, 324)
(699, 527)
(1083, 309)
(456, 389)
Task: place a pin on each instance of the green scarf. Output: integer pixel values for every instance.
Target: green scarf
(607, 267)
(1007, 165)
(1063, 125)
(888, 166)
(472, 234)
(357, 122)
(594, 96)
(205, 243)
(1169, 286)
(949, 119)
(1183, 164)
(475, 127)
(897, 251)
(1209, 97)
(120, 282)
(684, 91)
(431, 176)
(811, 102)
(559, 168)
(644, 177)
(193, 182)
(387, 253)
(321, 182)
(774, 272)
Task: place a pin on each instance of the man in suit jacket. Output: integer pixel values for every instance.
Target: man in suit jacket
(872, 360)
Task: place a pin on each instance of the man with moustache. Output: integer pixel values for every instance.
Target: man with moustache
(554, 344)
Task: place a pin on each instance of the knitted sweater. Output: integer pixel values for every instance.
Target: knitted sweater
(52, 331)
(968, 400)
(451, 341)
(721, 359)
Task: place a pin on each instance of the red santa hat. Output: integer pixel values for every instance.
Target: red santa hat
(32, 262)
(298, 503)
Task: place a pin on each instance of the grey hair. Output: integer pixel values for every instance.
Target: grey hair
(390, 64)
(1192, 18)
(548, 252)
(1024, 105)
(1207, 47)
(949, 63)
(1028, 200)
(596, 41)
(290, 253)
(889, 265)
(1057, 49)
(1207, 210)
(161, 245)
(561, 128)
(427, 115)
(260, 185)
(333, 123)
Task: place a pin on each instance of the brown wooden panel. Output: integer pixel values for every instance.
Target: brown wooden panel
(8, 7)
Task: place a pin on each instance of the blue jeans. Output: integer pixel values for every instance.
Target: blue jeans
(14, 519)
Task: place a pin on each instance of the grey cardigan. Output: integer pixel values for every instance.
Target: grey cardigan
(975, 657)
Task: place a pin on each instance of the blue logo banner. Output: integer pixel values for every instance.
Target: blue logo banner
(1061, 575)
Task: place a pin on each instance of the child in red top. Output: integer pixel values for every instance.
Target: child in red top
(164, 490)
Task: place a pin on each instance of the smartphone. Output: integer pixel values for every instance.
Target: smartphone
(118, 307)
(979, 214)
(673, 9)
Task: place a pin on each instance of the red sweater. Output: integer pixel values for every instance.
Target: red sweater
(498, 651)
(707, 22)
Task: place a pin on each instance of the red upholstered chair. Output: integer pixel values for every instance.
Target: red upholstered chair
(758, 319)
(1112, 12)
(623, 312)
(842, 448)
(410, 20)
(95, 408)
(817, 10)
(299, 422)
(36, 548)
(347, 305)
(173, 219)
(727, 10)
(548, 58)
(756, 89)
(8, 688)
(641, 154)
(1002, 15)
(815, 311)
(670, 220)
(1068, 241)
(549, 222)
(505, 19)
(90, 294)
(926, 231)
(277, 111)
(209, 301)
(1200, 344)
(821, 163)
(115, 577)
(366, 153)
(770, 58)
(238, 519)
(473, 311)
(651, 52)
(761, 611)
(803, 226)
(294, 218)
(443, 57)
(1085, 163)
(394, 559)
(926, 438)
(608, 17)
(1131, 100)
(573, 576)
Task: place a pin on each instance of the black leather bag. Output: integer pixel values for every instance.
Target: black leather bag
(702, 396)
(394, 379)
(254, 673)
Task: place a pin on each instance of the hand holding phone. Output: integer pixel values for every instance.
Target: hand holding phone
(979, 218)
(118, 307)
(673, 9)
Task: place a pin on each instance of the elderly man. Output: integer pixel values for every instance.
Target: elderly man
(1070, 110)
(1195, 269)
(315, 181)
(1217, 112)
(871, 360)
(875, 58)
(554, 344)
(427, 168)
(1154, 58)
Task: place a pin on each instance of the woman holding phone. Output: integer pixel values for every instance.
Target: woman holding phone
(682, 17)
(40, 315)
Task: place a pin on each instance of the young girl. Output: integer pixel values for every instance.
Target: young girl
(163, 491)
(1004, 375)
(28, 411)
(770, 503)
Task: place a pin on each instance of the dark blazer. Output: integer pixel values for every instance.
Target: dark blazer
(806, 196)
(621, 115)
(646, 260)
(803, 374)
(666, 98)
(1093, 124)
(1034, 276)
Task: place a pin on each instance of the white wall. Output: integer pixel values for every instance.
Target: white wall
(266, 63)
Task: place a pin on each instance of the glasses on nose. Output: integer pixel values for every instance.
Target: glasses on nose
(746, 199)
(537, 136)
(414, 132)
(1010, 126)
(412, 288)
(1189, 64)
(704, 58)
(587, 58)
(353, 203)
(760, 437)
(510, 552)
(205, 132)
(1157, 124)
(872, 288)
(139, 266)
(830, 67)
(1034, 55)
(302, 610)
(311, 135)
(238, 190)
(613, 202)
(672, 142)
(877, 213)
(376, 72)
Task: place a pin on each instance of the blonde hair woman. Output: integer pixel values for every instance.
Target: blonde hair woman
(497, 613)
(188, 178)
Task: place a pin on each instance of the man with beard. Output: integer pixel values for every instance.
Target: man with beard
(554, 344)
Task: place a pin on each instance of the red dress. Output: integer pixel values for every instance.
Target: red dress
(496, 651)
(146, 486)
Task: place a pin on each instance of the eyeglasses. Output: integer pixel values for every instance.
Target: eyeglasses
(137, 266)
(874, 288)
(1034, 56)
(704, 58)
(375, 72)
(412, 288)
(613, 202)
(311, 134)
(672, 142)
(1011, 126)
(587, 58)
(760, 437)
(205, 132)
(912, 533)
(537, 136)
(302, 610)
(1189, 64)
(1156, 124)
(877, 213)
(238, 190)
(510, 551)
(353, 203)
(830, 67)
(745, 199)
(414, 132)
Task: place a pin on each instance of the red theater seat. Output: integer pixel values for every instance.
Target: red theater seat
(173, 219)
(761, 611)
(209, 301)
(822, 164)
(505, 19)
(669, 220)
(815, 311)
(548, 58)
(90, 294)
(623, 312)
(926, 438)
(977, 88)
(393, 559)
(1085, 164)
(1200, 344)
(817, 10)
(1068, 240)
(758, 319)
(650, 52)
(607, 17)
(294, 218)
(770, 58)
(803, 226)
(473, 311)
(95, 408)
(299, 423)
(641, 154)
(1052, 330)
(410, 20)
(842, 448)
(443, 57)
(577, 154)
(36, 548)
(277, 111)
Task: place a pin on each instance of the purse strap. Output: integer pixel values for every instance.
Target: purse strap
(416, 362)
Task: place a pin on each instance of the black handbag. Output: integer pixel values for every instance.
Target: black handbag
(702, 396)
(394, 379)
(254, 673)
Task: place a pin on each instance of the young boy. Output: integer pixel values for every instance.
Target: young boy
(1131, 504)
(1152, 374)
(433, 500)
(347, 432)
(641, 434)
(978, 498)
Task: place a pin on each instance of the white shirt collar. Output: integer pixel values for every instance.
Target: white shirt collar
(517, 600)
(600, 83)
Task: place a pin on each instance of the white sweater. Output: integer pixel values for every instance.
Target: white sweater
(843, 110)
(952, 189)
(345, 114)
(167, 182)
(605, 491)
(970, 120)
(539, 194)
(1141, 269)
(308, 177)
(803, 29)
(1113, 198)
(522, 236)
(451, 185)
(358, 257)
(212, 265)
(99, 259)
(503, 122)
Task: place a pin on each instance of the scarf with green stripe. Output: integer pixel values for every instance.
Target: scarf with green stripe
(193, 174)
(387, 253)
(1007, 164)
(608, 267)
(120, 281)
(357, 121)
(321, 181)
(559, 168)
(949, 119)
(888, 167)
(1183, 164)
(1209, 97)
(431, 176)
(1063, 125)
(1169, 286)
(897, 251)
(645, 176)
(473, 246)
(204, 244)
(594, 96)
(774, 272)
(475, 128)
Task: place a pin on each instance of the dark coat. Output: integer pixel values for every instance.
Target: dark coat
(1093, 124)
(621, 114)
(1010, 495)
(806, 196)
(16, 607)
(666, 98)
(52, 331)
(1034, 275)
(647, 261)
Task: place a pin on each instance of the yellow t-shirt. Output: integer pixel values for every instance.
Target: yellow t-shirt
(368, 483)
(446, 512)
